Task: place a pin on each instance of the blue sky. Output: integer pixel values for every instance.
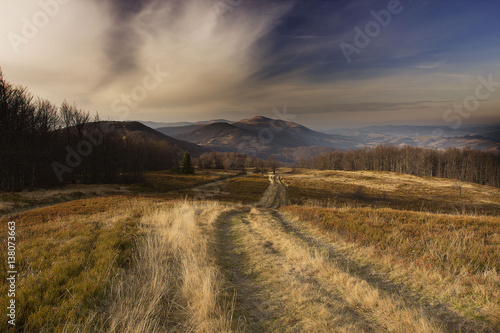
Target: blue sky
(235, 59)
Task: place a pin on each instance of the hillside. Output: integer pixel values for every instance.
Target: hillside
(137, 131)
(220, 136)
(176, 130)
(292, 135)
(183, 127)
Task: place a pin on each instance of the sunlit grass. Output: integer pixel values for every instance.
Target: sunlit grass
(67, 257)
(100, 264)
(454, 259)
(83, 264)
(454, 243)
(390, 190)
(175, 285)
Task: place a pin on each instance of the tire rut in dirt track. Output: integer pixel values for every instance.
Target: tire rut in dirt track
(452, 321)
(249, 312)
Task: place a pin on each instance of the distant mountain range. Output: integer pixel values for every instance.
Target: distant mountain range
(289, 142)
(477, 137)
(261, 137)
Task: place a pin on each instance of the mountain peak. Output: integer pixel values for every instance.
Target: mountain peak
(255, 120)
(259, 118)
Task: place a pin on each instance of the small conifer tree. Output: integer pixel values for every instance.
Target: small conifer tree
(187, 166)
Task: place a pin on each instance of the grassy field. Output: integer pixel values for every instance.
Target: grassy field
(164, 181)
(390, 190)
(300, 288)
(356, 252)
(246, 190)
(175, 285)
(68, 255)
(103, 263)
(450, 259)
(155, 182)
(22, 201)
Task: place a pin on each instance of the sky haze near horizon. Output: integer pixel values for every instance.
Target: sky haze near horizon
(330, 63)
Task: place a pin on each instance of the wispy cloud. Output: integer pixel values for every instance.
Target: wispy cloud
(207, 55)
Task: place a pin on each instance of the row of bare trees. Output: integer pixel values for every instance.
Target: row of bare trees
(27, 125)
(235, 161)
(468, 165)
(42, 145)
(227, 161)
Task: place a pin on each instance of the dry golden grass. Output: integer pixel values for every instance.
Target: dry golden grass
(11, 203)
(449, 259)
(155, 183)
(390, 190)
(67, 256)
(174, 284)
(119, 264)
(164, 181)
(344, 302)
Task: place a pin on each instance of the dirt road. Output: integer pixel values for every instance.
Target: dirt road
(276, 194)
(289, 279)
